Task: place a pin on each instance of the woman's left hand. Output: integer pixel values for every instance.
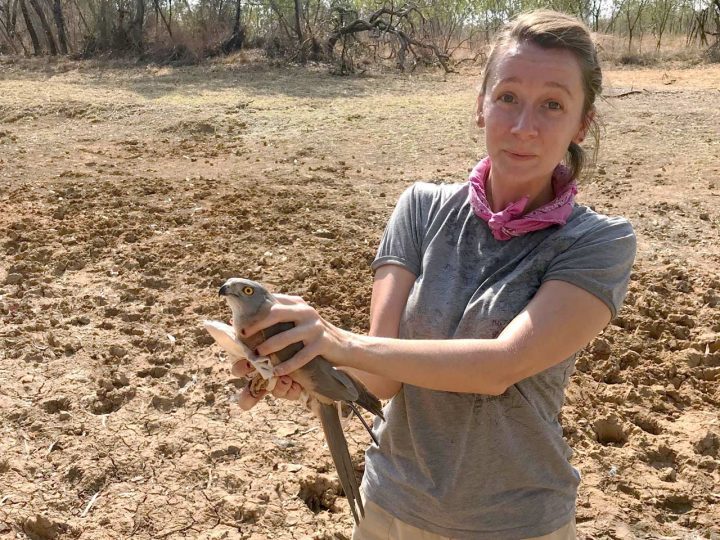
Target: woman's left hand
(319, 337)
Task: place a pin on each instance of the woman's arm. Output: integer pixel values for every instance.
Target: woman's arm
(559, 320)
(391, 287)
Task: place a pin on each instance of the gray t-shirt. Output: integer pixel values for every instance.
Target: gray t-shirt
(471, 465)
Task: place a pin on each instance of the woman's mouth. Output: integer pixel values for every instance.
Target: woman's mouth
(520, 156)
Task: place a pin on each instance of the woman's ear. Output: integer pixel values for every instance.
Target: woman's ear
(479, 118)
(584, 127)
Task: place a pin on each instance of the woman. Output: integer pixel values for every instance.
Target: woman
(493, 286)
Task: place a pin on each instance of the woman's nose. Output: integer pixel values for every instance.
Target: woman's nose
(525, 124)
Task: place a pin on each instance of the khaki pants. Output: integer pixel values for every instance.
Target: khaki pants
(380, 525)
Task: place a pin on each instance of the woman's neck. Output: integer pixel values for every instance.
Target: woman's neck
(501, 194)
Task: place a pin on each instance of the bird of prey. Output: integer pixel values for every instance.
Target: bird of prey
(324, 385)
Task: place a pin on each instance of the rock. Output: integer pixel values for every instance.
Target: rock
(117, 351)
(56, 404)
(708, 445)
(324, 233)
(710, 341)
(681, 332)
(601, 348)
(691, 357)
(240, 509)
(167, 404)
(77, 263)
(41, 528)
(225, 450)
(629, 359)
(13, 279)
(668, 474)
(60, 212)
(710, 374)
(681, 319)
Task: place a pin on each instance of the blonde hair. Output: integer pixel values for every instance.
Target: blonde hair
(554, 30)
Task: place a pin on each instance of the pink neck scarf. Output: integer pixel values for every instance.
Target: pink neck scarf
(511, 222)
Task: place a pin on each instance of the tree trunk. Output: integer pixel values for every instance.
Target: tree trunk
(31, 29)
(11, 24)
(237, 38)
(298, 27)
(162, 16)
(137, 25)
(45, 26)
(9, 39)
(60, 25)
(12, 18)
(238, 13)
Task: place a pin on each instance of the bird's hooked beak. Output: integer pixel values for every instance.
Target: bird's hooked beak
(223, 290)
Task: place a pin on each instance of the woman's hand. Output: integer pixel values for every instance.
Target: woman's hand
(285, 387)
(319, 337)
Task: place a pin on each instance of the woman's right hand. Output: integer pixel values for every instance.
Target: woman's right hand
(285, 387)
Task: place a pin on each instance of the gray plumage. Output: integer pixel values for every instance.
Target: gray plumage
(250, 302)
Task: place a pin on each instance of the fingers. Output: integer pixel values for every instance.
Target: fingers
(279, 341)
(247, 401)
(289, 299)
(302, 357)
(241, 368)
(289, 309)
(287, 388)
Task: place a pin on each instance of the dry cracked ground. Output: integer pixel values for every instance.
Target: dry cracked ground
(129, 193)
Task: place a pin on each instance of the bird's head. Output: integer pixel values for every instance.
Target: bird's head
(247, 299)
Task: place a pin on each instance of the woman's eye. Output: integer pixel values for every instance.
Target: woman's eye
(554, 106)
(507, 98)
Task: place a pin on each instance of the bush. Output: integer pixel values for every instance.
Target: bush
(638, 59)
(713, 53)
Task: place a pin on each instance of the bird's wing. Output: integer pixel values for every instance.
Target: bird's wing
(321, 378)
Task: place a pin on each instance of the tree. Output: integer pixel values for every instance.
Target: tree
(633, 11)
(60, 26)
(137, 25)
(31, 30)
(661, 11)
(298, 27)
(237, 38)
(4, 28)
(45, 26)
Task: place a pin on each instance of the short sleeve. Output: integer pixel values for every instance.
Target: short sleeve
(600, 262)
(401, 243)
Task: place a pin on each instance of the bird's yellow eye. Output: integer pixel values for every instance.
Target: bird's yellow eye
(248, 291)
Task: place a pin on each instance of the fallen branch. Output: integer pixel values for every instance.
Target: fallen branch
(623, 94)
(376, 23)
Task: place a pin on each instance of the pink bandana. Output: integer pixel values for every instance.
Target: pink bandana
(511, 221)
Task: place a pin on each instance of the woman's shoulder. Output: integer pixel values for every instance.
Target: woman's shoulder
(586, 219)
(587, 228)
(426, 193)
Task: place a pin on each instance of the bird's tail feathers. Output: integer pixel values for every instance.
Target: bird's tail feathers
(341, 457)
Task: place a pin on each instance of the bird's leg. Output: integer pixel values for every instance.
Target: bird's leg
(257, 383)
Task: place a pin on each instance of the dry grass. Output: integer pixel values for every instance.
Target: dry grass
(674, 51)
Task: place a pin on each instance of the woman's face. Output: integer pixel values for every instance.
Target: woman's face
(532, 110)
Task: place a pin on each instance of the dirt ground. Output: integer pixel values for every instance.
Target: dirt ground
(129, 194)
